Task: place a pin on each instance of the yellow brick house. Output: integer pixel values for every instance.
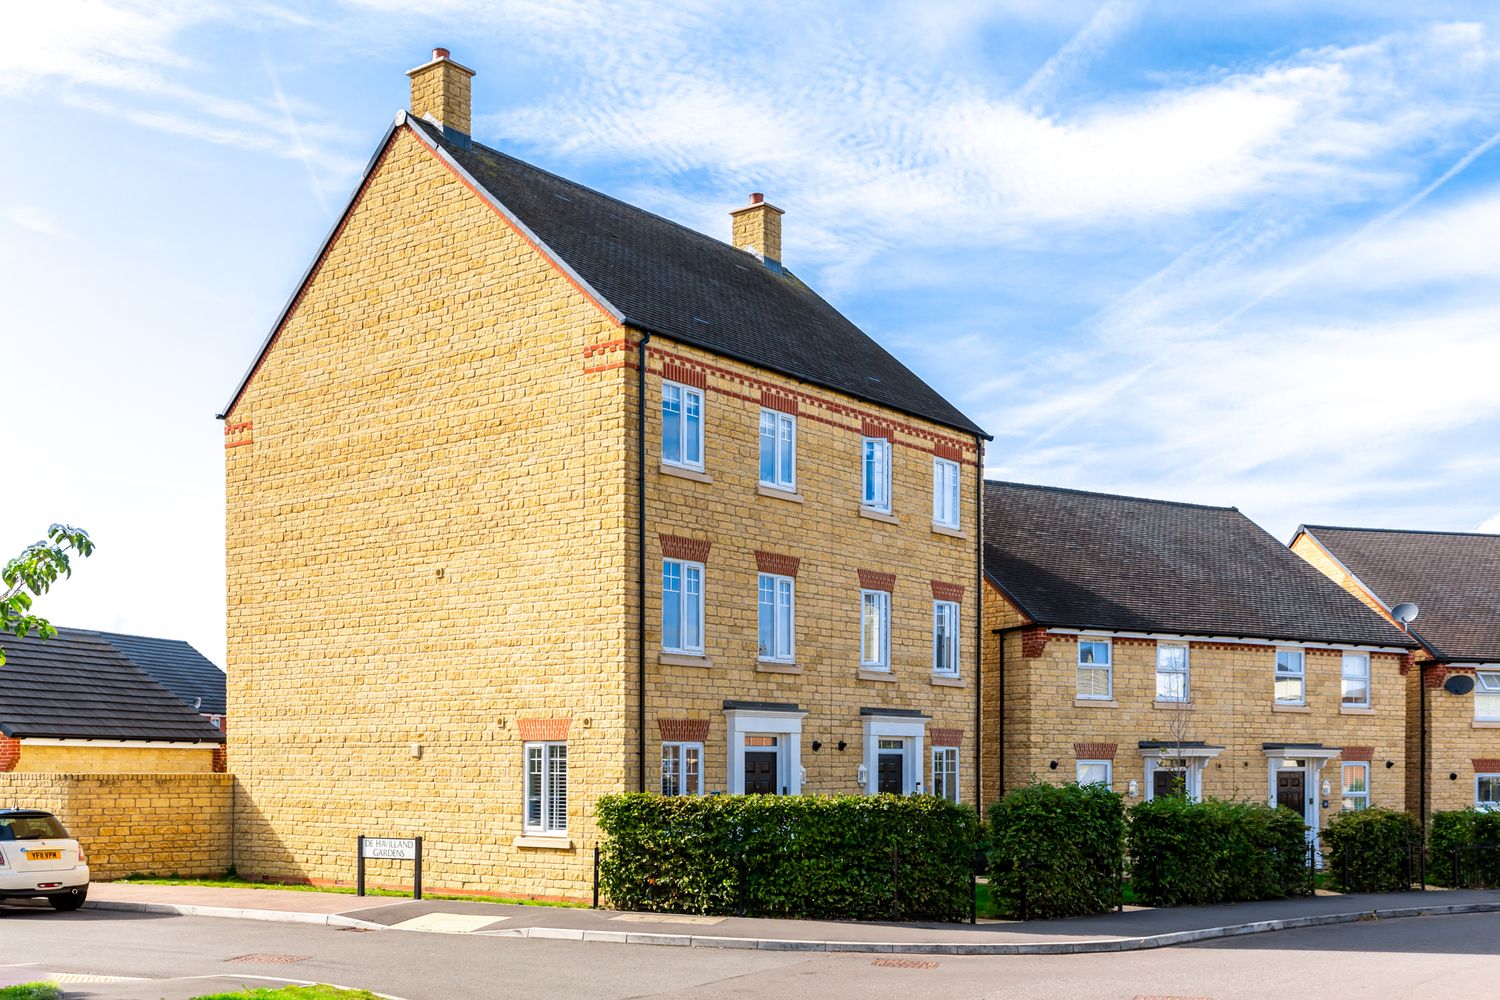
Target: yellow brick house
(534, 496)
(1171, 648)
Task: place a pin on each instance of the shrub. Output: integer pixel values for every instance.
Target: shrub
(1185, 852)
(845, 857)
(1056, 850)
(1370, 850)
(1464, 830)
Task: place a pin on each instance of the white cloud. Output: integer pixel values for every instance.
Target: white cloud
(1490, 525)
(32, 218)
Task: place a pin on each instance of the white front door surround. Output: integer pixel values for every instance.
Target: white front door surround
(905, 724)
(1193, 756)
(1308, 758)
(761, 718)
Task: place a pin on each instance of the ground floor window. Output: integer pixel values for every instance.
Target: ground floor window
(682, 768)
(546, 788)
(945, 773)
(1487, 791)
(1096, 772)
(1356, 786)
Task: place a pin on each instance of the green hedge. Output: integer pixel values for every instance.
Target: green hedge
(1370, 850)
(1464, 829)
(1055, 850)
(1215, 852)
(844, 857)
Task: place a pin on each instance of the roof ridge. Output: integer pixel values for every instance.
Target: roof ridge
(1110, 496)
(1401, 531)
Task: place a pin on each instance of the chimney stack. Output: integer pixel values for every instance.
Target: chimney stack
(440, 93)
(757, 230)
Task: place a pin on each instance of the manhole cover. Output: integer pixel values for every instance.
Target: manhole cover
(903, 963)
(267, 959)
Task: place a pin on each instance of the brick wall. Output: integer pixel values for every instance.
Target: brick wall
(164, 824)
(10, 753)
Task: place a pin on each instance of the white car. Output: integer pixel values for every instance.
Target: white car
(39, 860)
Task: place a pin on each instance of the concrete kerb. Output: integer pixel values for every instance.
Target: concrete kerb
(861, 947)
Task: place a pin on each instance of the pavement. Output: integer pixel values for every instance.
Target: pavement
(1135, 929)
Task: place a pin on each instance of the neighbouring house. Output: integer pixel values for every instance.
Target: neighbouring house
(77, 704)
(1453, 697)
(195, 679)
(1165, 648)
(535, 496)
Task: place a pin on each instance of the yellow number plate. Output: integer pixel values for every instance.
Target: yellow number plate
(44, 855)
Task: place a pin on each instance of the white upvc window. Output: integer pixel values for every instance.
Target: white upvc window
(1356, 785)
(547, 788)
(875, 629)
(778, 450)
(1487, 791)
(681, 606)
(1172, 671)
(1487, 696)
(682, 425)
(1095, 669)
(945, 773)
(1354, 687)
(1291, 677)
(682, 768)
(877, 474)
(945, 638)
(1096, 772)
(777, 617)
(945, 492)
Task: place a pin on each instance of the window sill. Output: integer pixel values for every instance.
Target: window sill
(683, 659)
(948, 680)
(544, 842)
(876, 675)
(943, 529)
(778, 493)
(777, 667)
(1296, 709)
(1485, 724)
(1355, 710)
(684, 473)
(1094, 703)
(1171, 706)
(879, 515)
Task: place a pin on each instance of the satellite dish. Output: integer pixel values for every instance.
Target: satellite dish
(1459, 684)
(1405, 613)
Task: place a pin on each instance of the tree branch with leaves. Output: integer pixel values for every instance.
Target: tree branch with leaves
(32, 573)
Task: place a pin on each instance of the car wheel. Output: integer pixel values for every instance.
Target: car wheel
(69, 901)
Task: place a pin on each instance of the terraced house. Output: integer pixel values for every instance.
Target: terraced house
(1453, 697)
(534, 495)
(1168, 648)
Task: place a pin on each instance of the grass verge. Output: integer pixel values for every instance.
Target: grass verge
(31, 991)
(234, 882)
(292, 993)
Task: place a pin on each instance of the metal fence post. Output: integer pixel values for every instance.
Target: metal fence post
(1455, 869)
(359, 865)
(596, 876)
(895, 882)
(1025, 892)
(416, 882)
(973, 892)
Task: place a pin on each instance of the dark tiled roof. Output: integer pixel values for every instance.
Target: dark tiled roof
(1091, 560)
(79, 686)
(176, 666)
(671, 280)
(1453, 578)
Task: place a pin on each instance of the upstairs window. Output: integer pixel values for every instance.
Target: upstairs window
(1095, 671)
(944, 493)
(681, 606)
(778, 450)
(777, 602)
(874, 630)
(682, 425)
(945, 638)
(547, 788)
(877, 475)
(1355, 684)
(1487, 696)
(1171, 671)
(1291, 677)
(682, 768)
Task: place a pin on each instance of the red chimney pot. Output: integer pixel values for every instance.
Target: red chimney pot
(756, 198)
(439, 53)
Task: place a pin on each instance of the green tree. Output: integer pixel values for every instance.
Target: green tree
(32, 573)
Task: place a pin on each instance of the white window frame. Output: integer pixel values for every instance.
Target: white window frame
(1279, 674)
(550, 802)
(685, 394)
(1108, 667)
(945, 763)
(950, 643)
(1186, 672)
(783, 427)
(1486, 683)
(946, 507)
(779, 585)
(1345, 660)
(685, 601)
(1346, 795)
(1481, 804)
(1109, 772)
(875, 460)
(882, 656)
(677, 751)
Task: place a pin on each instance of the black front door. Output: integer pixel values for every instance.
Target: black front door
(1291, 791)
(1165, 784)
(891, 773)
(760, 772)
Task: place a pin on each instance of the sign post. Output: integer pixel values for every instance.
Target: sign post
(389, 849)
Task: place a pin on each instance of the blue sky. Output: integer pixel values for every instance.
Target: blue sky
(1241, 257)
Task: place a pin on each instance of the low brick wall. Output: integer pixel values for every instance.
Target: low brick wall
(163, 824)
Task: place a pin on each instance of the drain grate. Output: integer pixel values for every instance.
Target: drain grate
(267, 959)
(903, 963)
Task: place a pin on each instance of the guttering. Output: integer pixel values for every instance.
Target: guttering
(640, 560)
(979, 626)
(1240, 640)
